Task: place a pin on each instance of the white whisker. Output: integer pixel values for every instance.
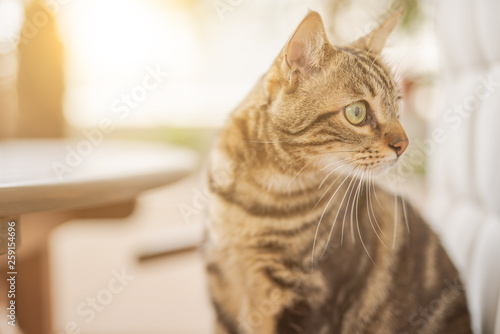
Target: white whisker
(356, 193)
(326, 191)
(300, 171)
(395, 221)
(264, 141)
(404, 204)
(345, 211)
(357, 220)
(326, 177)
(335, 220)
(368, 200)
(376, 196)
(373, 211)
(334, 163)
(321, 218)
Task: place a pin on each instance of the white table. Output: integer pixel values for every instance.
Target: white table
(70, 178)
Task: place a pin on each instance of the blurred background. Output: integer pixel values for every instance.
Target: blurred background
(87, 60)
(170, 71)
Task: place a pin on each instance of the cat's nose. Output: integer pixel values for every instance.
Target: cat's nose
(397, 140)
(398, 144)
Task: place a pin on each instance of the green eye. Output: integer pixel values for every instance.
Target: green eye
(356, 112)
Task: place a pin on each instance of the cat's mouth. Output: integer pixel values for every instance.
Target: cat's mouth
(376, 163)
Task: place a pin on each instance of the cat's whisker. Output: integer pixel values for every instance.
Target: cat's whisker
(356, 199)
(265, 141)
(328, 175)
(404, 204)
(371, 205)
(368, 189)
(349, 160)
(352, 210)
(322, 215)
(357, 220)
(334, 163)
(395, 219)
(340, 152)
(404, 213)
(300, 171)
(326, 191)
(320, 153)
(298, 153)
(336, 216)
(376, 196)
(345, 212)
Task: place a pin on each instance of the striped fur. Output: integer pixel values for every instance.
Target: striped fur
(287, 251)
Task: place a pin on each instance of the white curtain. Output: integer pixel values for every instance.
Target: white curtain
(464, 205)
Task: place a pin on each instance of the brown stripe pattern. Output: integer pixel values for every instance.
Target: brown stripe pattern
(300, 239)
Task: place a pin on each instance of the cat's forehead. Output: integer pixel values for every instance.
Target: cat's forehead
(365, 75)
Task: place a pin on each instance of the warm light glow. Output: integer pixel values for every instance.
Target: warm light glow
(110, 44)
(116, 32)
(213, 62)
(11, 20)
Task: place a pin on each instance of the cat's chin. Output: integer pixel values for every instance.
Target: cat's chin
(384, 168)
(379, 171)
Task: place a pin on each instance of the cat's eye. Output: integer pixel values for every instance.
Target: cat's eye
(356, 113)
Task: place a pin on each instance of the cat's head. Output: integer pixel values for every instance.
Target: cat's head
(340, 100)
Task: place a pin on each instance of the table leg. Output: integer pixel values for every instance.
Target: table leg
(33, 267)
(32, 278)
(33, 281)
(34, 293)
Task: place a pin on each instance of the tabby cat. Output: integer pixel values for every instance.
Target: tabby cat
(297, 242)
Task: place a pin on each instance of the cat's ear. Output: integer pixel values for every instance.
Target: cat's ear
(305, 50)
(375, 40)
